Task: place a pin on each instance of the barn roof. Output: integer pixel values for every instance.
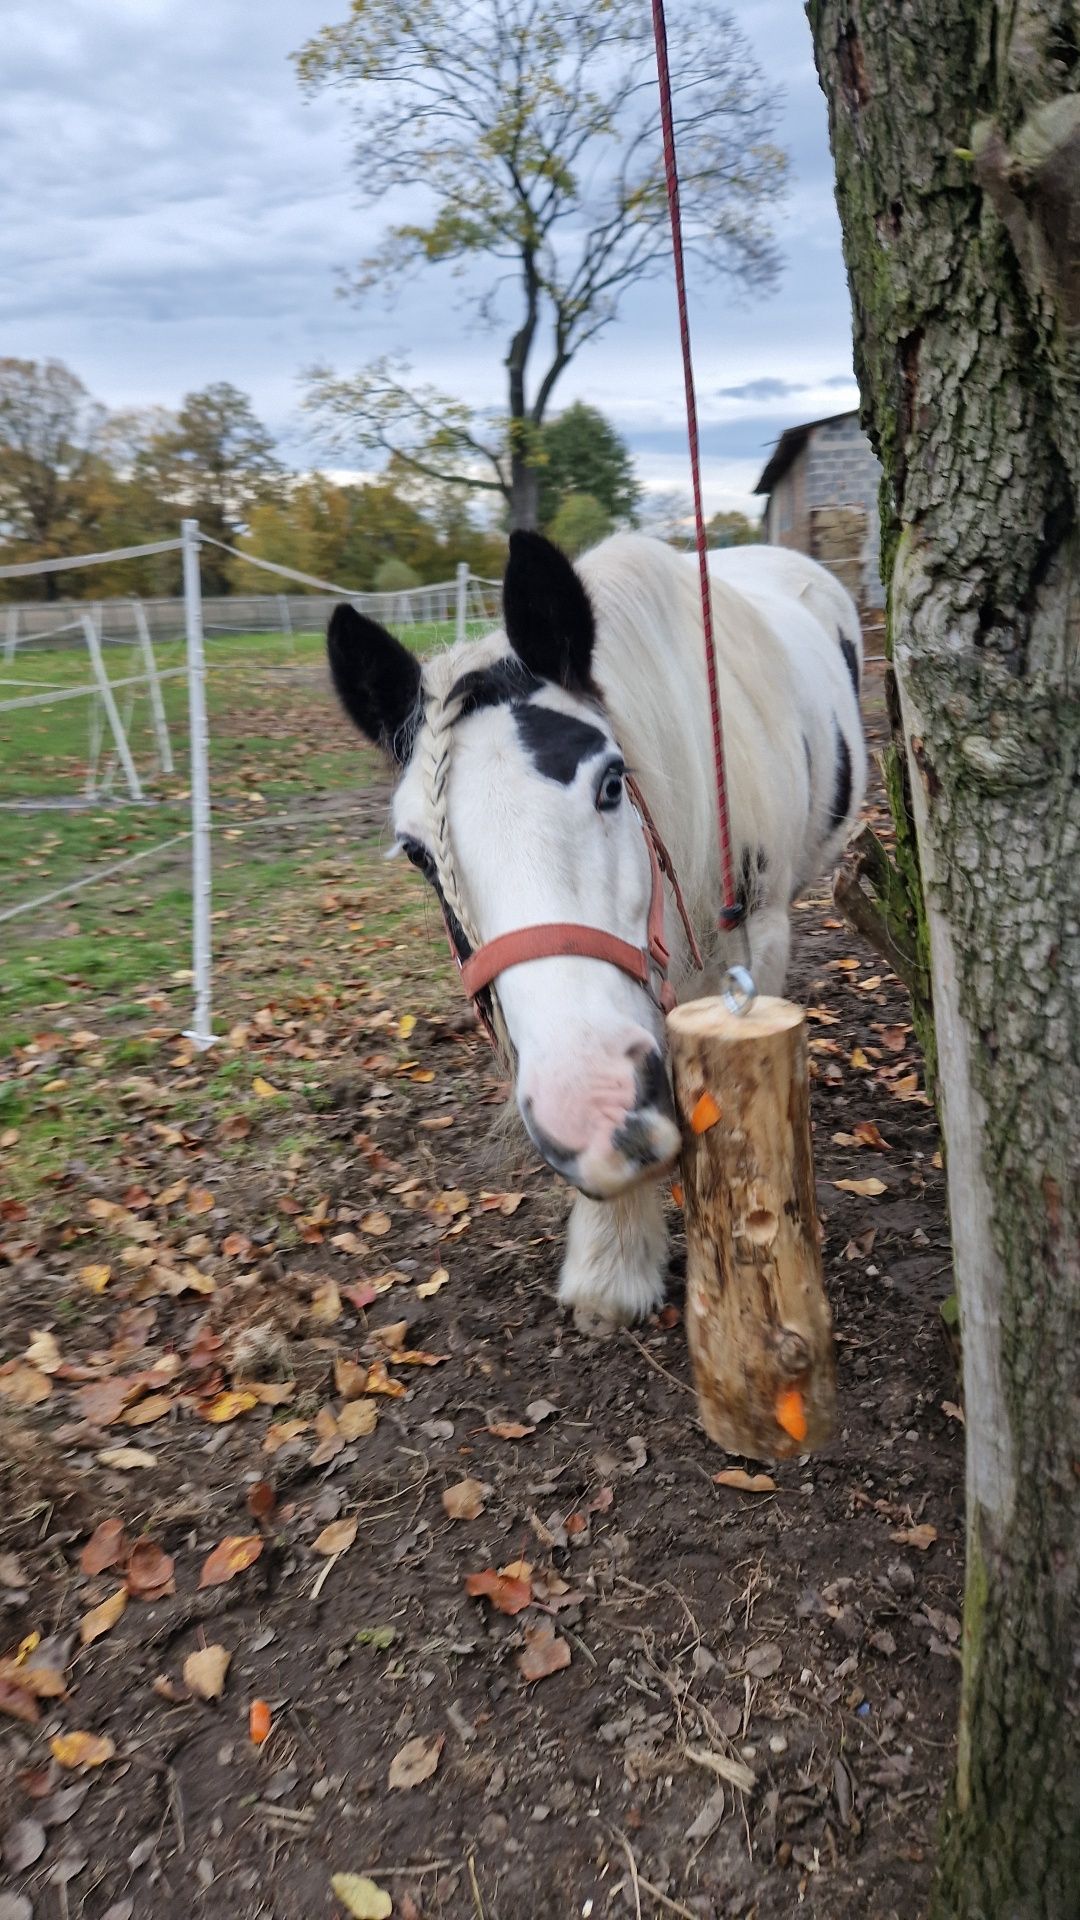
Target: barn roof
(791, 442)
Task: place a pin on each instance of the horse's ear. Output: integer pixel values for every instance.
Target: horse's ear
(377, 679)
(546, 610)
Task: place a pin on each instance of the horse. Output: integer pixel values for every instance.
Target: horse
(545, 768)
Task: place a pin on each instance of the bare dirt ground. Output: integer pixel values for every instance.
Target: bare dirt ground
(319, 1316)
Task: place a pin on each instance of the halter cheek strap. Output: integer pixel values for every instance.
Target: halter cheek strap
(648, 965)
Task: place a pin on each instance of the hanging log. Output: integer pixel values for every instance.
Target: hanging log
(758, 1322)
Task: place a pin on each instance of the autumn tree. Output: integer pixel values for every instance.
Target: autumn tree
(955, 127)
(530, 131)
(216, 462)
(50, 465)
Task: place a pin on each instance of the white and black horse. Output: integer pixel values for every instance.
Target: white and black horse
(512, 752)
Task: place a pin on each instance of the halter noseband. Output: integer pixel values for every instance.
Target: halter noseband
(647, 965)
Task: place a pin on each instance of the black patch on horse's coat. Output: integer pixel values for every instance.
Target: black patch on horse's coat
(502, 684)
(851, 659)
(653, 1085)
(634, 1141)
(841, 800)
(557, 743)
(752, 868)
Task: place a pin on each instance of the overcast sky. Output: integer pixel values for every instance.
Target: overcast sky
(175, 212)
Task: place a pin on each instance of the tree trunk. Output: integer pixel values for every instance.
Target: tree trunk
(956, 132)
(524, 490)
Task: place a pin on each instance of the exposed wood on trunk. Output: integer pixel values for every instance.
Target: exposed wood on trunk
(758, 1323)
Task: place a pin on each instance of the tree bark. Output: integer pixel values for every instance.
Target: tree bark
(955, 127)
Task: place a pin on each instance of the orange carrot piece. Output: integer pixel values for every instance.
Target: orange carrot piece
(705, 1115)
(791, 1413)
(258, 1722)
(677, 1193)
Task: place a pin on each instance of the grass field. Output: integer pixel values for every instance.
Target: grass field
(301, 893)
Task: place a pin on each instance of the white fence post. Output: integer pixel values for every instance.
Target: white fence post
(12, 634)
(108, 701)
(200, 1031)
(462, 608)
(157, 704)
(283, 610)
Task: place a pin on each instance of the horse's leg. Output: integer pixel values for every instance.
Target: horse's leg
(615, 1264)
(769, 933)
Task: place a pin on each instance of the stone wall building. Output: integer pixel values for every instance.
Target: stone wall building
(821, 483)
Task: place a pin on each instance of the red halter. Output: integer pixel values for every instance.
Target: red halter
(647, 965)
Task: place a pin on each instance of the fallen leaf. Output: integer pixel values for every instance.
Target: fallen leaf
(16, 1701)
(506, 1593)
(100, 1619)
(231, 1556)
(95, 1278)
(705, 1114)
(150, 1571)
(105, 1548)
(44, 1353)
(428, 1288)
(337, 1537)
(379, 1381)
(406, 1026)
(145, 1412)
(393, 1335)
(744, 1482)
(415, 1763)
(465, 1501)
(376, 1223)
(350, 1379)
(326, 1303)
(510, 1430)
(358, 1419)
(361, 1897)
(24, 1844)
(263, 1088)
(765, 1660)
(921, 1538)
(200, 1200)
(261, 1500)
(82, 1749)
(205, 1670)
(24, 1386)
(867, 1189)
(867, 1135)
(125, 1459)
(230, 1405)
(282, 1432)
(540, 1410)
(544, 1653)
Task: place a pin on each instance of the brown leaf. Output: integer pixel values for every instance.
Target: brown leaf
(465, 1501)
(866, 1189)
(100, 1619)
(16, 1702)
(261, 1500)
(337, 1537)
(150, 1571)
(415, 1763)
(106, 1547)
(507, 1593)
(744, 1482)
(145, 1412)
(392, 1336)
(23, 1385)
(544, 1653)
(376, 1224)
(200, 1200)
(922, 1537)
(281, 1432)
(867, 1135)
(379, 1381)
(231, 1556)
(204, 1672)
(510, 1430)
(765, 1660)
(125, 1459)
(358, 1419)
(326, 1303)
(350, 1379)
(103, 1401)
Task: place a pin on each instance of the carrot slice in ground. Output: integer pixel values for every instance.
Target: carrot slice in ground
(705, 1115)
(791, 1413)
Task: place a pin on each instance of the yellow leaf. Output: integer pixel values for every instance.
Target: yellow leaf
(361, 1897)
(95, 1278)
(337, 1537)
(204, 1672)
(379, 1381)
(406, 1026)
(84, 1750)
(100, 1619)
(859, 1059)
(230, 1405)
(263, 1088)
(867, 1189)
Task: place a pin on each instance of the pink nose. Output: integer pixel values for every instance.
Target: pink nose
(603, 1118)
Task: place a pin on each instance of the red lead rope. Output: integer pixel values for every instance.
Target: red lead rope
(732, 912)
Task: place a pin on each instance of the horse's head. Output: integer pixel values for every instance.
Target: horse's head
(512, 801)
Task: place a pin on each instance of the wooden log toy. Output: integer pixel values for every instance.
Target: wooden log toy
(758, 1323)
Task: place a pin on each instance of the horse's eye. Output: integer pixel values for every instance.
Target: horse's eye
(610, 791)
(419, 856)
